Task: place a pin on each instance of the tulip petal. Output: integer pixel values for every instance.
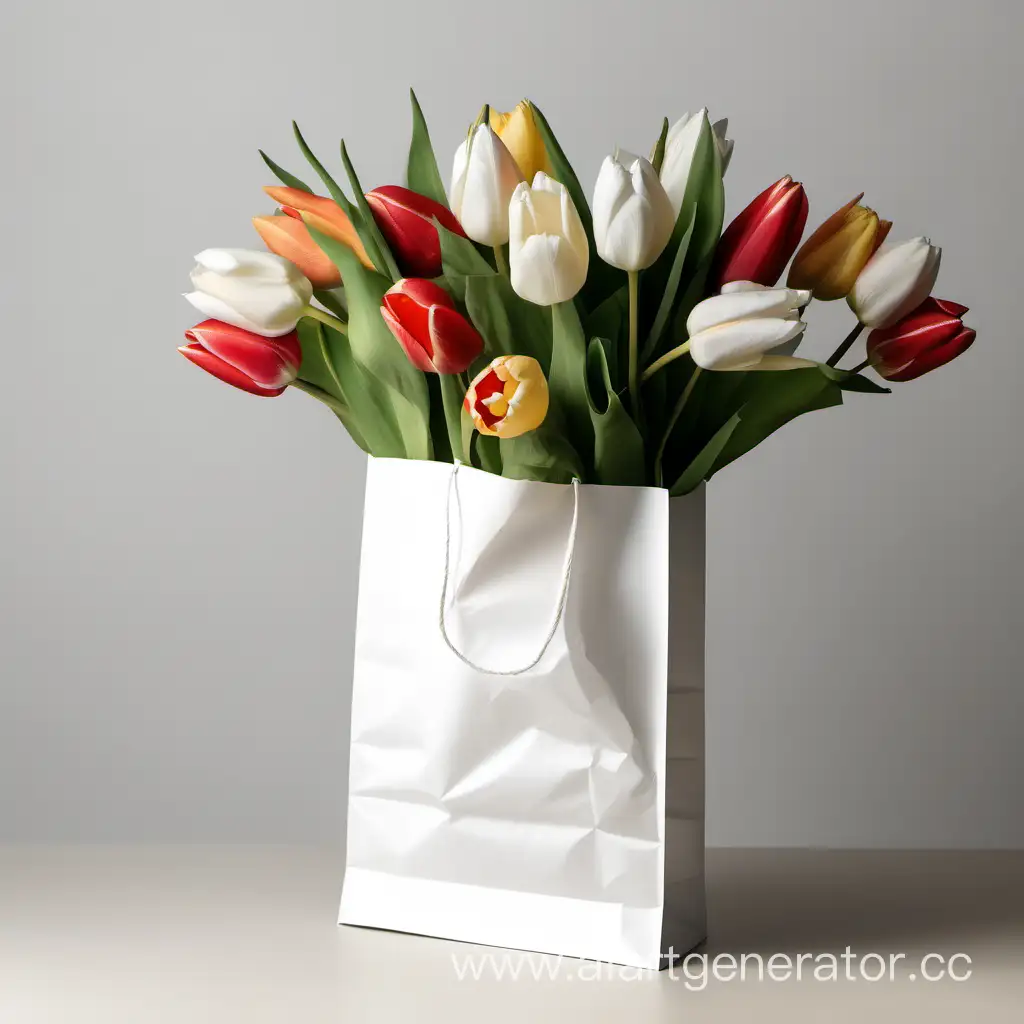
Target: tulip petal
(895, 281)
(758, 244)
(736, 345)
(456, 342)
(415, 350)
(225, 372)
(934, 357)
(268, 362)
(217, 309)
(291, 239)
(744, 305)
(321, 213)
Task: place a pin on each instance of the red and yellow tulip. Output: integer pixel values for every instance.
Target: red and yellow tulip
(509, 397)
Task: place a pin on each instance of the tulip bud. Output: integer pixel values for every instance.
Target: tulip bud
(924, 340)
(436, 337)
(406, 220)
(830, 260)
(289, 238)
(680, 147)
(483, 179)
(257, 291)
(324, 215)
(758, 244)
(895, 281)
(633, 215)
(509, 397)
(251, 362)
(548, 249)
(737, 329)
(518, 131)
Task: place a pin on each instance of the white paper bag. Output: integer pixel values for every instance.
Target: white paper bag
(557, 808)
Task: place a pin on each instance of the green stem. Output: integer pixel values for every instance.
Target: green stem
(326, 397)
(861, 366)
(326, 318)
(633, 278)
(668, 357)
(673, 420)
(845, 345)
(499, 261)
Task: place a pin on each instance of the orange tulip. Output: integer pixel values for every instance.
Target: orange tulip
(289, 238)
(325, 215)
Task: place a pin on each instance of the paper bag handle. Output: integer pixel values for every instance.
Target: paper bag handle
(559, 608)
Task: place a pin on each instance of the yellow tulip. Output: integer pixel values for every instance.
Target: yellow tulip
(518, 130)
(509, 397)
(830, 261)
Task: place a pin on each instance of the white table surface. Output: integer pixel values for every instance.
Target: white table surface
(246, 934)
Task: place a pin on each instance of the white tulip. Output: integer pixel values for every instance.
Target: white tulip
(633, 216)
(548, 252)
(895, 281)
(257, 291)
(484, 177)
(680, 146)
(738, 329)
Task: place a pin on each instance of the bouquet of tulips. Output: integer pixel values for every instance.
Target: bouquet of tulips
(509, 325)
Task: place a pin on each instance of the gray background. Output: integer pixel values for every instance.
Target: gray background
(179, 559)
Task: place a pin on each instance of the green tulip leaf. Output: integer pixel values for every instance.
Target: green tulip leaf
(375, 348)
(285, 177)
(439, 436)
(544, 455)
(848, 380)
(618, 445)
(602, 279)
(338, 195)
(359, 399)
(701, 466)
(333, 300)
(369, 223)
(460, 259)
(710, 202)
(769, 400)
(487, 454)
(610, 322)
(567, 378)
(508, 324)
(452, 394)
(422, 174)
(658, 153)
(668, 295)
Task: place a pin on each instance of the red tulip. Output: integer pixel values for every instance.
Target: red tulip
(436, 337)
(261, 366)
(758, 244)
(406, 220)
(923, 340)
